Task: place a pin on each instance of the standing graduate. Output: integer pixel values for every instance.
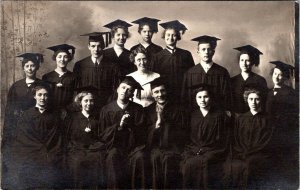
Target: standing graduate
(204, 156)
(94, 70)
(122, 122)
(249, 161)
(38, 144)
(248, 57)
(119, 54)
(147, 27)
(19, 99)
(61, 79)
(84, 149)
(167, 125)
(172, 62)
(283, 108)
(207, 72)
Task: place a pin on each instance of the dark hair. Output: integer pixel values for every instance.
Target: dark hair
(254, 58)
(139, 49)
(249, 91)
(204, 88)
(178, 35)
(284, 74)
(24, 61)
(115, 28)
(213, 44)
(39, 87)
(141, 26)
(70, 57)
(102, 44)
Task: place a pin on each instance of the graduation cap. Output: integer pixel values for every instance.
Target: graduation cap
(117, 23)
(175, 24)
(63, 47)
(89, 88)
(131, 82)
(286, 69)
(104, 37)
(34, 57)
(252, 51)
(206, 39)
(152, 22)
(158, 82)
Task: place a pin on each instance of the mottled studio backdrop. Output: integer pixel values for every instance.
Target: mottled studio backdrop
(32, 26)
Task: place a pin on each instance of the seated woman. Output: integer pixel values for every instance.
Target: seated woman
(38, 145)
(209, 135)
(83, 146)
(249, 161)
(62, 80)
(143, 76)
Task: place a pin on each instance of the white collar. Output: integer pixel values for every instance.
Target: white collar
(118, 50)
(122, 106)
(29, 81)
(254, 112)
(206, 66)
(171, 49)
(145, 44)
(85, 114)
(60, 74)
(96, 59)
(245, 75)
(204, 112)
(41, 109)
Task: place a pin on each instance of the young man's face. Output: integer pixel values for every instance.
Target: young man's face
(277, 77)
(96, 49)
(159, 94)
(170, 37)
(205, 52)
(125, 92)
(146, 33)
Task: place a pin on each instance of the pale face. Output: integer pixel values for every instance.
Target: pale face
(203, 100)
(125, 92)
(170, 37)
(277, 77)
(42, 97)
(30, 69)
(120, 37)
(159, 94)
(141, 62)
(146, 33)
(87, 102)
(96, 49)
(205, 52)
(254, 101)
(62, 59)
(245, 63)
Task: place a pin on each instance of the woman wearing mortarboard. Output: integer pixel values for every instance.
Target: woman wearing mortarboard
(248, 57)
(147, 27)
(172, 62)
(19, 99)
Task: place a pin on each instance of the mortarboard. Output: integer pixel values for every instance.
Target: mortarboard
(252, 51)
(285, 68)
(152, 22)
(63, 47)
(206, 39)
(175, 24)
(104, 37)
(117, 23)
(34, 57)
(131, 82)
(89, 88)
(158, 82)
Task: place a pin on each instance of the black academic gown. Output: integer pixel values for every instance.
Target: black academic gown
(84, 151)
(151, 50)
(123, 61)
(283, 109)
(249, 161)
(38, 150)
(207, 150)
(62, 88)
(237, 85)
(19, 99)
(105, 77)
(173, 66)
(217, 76)
(165, 144)
(124, 157)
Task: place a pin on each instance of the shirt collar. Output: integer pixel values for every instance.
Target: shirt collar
(95, 59)
(145, 45)
(206, 66)
(122, 106)
(171, 49)
(41, 109)
(29, 81)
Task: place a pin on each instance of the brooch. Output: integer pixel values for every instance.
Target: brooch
(87, 129)
(59, 84)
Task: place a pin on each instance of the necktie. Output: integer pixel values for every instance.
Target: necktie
(172, 50)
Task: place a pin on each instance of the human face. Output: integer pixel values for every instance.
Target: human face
(30, 69)
(205, 52)
(41, 96)
(125, 92)
(245, 63)
(170, 37)
(87, 102)
(277, 77)
(254, 101)
(96, 49)
(146, 33)
(203, 99)
(159, 94)
(140, 62)
(62, 59)
(120, 37)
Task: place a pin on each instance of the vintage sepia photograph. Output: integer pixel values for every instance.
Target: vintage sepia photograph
(149, 94)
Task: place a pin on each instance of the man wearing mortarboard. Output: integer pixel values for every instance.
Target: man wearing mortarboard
(172, 62)
(147, 27)
(207, 72)
(95, 70)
